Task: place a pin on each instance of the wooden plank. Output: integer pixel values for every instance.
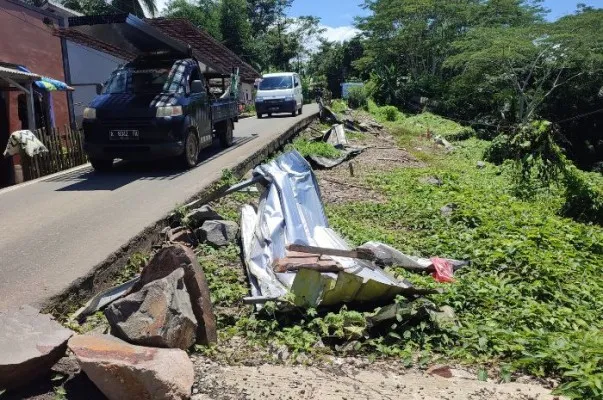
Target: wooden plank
(358, 253)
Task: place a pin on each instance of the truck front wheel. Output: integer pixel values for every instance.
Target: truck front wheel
(225, 133)
(191, 150)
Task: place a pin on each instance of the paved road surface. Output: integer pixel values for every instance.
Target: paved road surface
(55, 230)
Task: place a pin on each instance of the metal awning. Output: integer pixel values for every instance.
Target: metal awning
(18, 76)
(135, 36)
(128, 32)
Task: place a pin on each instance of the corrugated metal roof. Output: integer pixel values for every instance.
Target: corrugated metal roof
(18, 75)
(93, 43)
(206, 48)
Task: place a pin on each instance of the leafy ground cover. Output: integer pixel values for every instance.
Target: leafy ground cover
(309, 147)
(530, 301)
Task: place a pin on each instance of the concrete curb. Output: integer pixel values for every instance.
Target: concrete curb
(105, 274)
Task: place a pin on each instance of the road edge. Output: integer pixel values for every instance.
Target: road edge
(105, 274)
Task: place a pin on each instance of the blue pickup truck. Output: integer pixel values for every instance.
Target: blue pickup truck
(155, 107)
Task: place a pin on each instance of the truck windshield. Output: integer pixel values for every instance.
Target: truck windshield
(276, 83)
(138, 81)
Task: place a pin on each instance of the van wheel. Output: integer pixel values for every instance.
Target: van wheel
(191, 150)
(101, 165)
(225, 133)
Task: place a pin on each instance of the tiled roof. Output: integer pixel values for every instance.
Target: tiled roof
(207, 49)
(88, 41)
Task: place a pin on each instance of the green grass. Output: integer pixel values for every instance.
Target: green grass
(339, 106)
(307, 148)
(427, 122)
(530, 302)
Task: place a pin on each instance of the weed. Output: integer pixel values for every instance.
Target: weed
(339, 106)
(307, 148)
(435, 125)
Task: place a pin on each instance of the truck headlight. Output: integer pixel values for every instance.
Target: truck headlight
(259, 99)
(89, 113)
(169, 111)
(289, 98)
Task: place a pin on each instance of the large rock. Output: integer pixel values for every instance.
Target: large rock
(218, 233)
(198, 216)
(169, 259)
(124, 371)
(30, 344)
(159, 315)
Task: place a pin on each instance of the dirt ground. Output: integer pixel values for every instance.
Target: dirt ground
(347, 382)
(338, 185)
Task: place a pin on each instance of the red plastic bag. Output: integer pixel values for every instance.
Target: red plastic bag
(443, 270)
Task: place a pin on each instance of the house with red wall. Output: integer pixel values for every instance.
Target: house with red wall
(27, 40)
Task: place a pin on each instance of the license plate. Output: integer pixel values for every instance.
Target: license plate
(124, 134)
(273, 108)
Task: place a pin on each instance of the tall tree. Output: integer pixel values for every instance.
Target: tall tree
(264, 14)
(204, 14)
(235, 27)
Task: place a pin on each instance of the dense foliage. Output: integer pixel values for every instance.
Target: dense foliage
(494, 64)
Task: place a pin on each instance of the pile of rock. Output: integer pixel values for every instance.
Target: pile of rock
(204, 225)
(164, 314)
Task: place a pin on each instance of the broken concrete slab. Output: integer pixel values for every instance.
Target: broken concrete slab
(218, 233)
(30, 344)
(182, 235)
(159, 315)
(166, 261)
(124, 371)
(198, 216)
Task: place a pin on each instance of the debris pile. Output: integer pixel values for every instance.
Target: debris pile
(289, 248)
(155, 317)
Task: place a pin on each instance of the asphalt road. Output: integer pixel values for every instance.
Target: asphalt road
(57, 229)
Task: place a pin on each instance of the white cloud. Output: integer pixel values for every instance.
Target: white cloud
(339, 34)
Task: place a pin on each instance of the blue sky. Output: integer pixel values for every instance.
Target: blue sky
(338, 15)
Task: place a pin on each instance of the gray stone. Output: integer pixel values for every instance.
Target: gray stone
(481, 165)
(218, 233)
(30, 344)
(159, 315)
(448, 209)
(124, 371)
(432, 180)
(198, 216)
(169, 259)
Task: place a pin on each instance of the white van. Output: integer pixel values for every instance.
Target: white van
(279, 93)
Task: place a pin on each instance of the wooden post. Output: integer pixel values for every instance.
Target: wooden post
(31, 111)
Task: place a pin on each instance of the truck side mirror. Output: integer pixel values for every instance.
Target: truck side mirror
(197, 87)
(99, 88)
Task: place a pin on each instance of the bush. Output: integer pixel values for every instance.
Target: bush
(339, 106)
(436, 125)
(357, 98)
(499, 150)
(388, 113)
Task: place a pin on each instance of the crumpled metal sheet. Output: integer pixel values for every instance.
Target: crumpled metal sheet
(346, 154)
(291, 212)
